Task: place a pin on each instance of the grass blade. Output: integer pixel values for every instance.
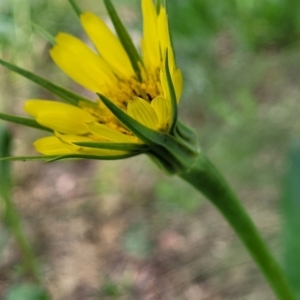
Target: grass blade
(291, 212)
(44, 33)
(5, 144)
(61, 92)
(23, 121)
(75, 8)
(11, 217)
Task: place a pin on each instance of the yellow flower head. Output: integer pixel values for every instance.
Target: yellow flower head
(137, 84)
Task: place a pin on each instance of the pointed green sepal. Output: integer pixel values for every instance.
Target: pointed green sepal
(115, 146)
(159, 4)
(125, 38)
(163, 164)
(45, 34)
(186, 132)
(26, 158)
(172, 95)
(147, 135)
(52, 158)
(186, 135)
(163, 145)
(75, 8)
(63, 93)
(90, 156)
(23, 121)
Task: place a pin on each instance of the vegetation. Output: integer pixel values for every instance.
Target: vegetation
(121, 229)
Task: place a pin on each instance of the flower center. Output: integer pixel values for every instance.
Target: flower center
(127, 89)
(122, 93)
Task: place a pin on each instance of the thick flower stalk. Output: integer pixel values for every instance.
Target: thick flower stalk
(135, 111)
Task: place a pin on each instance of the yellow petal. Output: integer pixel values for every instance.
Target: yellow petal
(142, 111)
(163, 32)
(59, 116)
(79, 62)
(63, 144)
(36, 106)
(150, 42)
(102, 131)
(177, 82)
(164, 83)
(69, 141)
(146, 52)
(52, 146)
(163, 111)
(107, 44)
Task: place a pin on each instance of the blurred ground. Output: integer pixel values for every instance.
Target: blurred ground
(123, 230)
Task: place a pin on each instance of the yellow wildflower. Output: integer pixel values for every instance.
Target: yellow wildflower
(142, 92)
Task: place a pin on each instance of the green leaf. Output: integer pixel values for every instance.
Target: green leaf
(23, 121)
(125, 38)
(291, 213)
(5, 146)
(44, 33)
(10, 215)
(75, 7)
(172, 95)
(27, 292)
(114, 146)
(63, 93)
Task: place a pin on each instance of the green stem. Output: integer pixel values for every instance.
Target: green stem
(11, 216)
(206, 178)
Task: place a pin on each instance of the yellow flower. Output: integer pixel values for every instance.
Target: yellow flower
(140, 88)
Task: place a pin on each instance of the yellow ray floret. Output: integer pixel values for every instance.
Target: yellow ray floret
(163, 112)
(150, 42)
(107, 44)
(61, 117)
(83, 65)
(163, 33)
(64, 144)
(103, 132)
(51, 145)
(143, 112)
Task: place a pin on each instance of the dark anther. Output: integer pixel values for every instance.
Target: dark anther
(149, 97)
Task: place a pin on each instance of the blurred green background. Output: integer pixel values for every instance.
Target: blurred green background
(124, 230)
